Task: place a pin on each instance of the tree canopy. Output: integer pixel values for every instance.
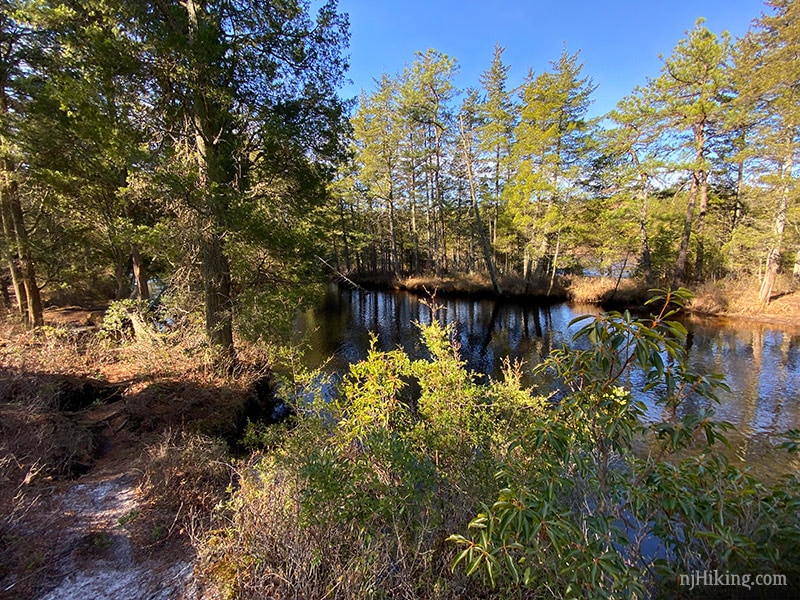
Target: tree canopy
(204, 143)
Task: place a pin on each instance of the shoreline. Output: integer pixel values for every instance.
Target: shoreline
(710, 302)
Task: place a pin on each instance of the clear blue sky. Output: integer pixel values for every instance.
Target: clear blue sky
(620, 40)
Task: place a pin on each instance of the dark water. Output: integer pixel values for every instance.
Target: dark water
(760, 364)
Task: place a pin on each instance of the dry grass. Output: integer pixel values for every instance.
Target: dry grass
(265, 548)
(186, 469)
(184, 477)
(606, 291)
(709, 299)
(480, 285)
(40, 372)
(740, 297)
(55, 425)
(463, 284)
(50, 350)
(38, 447)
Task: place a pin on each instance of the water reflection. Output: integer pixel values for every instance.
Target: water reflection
(761, 365)
(486, 331)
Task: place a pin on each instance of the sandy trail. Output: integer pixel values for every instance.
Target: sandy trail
(96, 555)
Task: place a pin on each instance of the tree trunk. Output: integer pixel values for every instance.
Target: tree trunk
(701, 221)
(644, 197)
(540, 271)
(139, 274)
(440, 199)
(4, 296)
(120, 272)
(737, 209)
(393, 235)
(9, 245)
(646, 259)
(487, 252)
(216, 175)
(774, 256)
(217, 287)
(431, 229)
(35, 308)
(345, 240)
(683, 253)
(496, 213)
(15, 231)
(413, 195)
(555, 262)
(698, 190)
(12, 260)
(526, 267)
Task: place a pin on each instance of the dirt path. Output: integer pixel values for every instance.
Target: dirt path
(94, 536)
(99, 557)
(96, 548)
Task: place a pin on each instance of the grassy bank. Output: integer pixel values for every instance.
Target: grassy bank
(581, 290)
(727, 298)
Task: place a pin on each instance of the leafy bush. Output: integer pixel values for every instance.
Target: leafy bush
(367, 485)
(613, 507)
(358, 496)
(118, 321)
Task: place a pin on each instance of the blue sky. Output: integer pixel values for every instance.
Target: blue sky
(620, 40)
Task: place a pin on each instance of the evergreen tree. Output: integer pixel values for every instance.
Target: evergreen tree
(377, 136)
(767, 75)
(551, 144)
(425, 100)
(82, 136)
(467, 122)
(495, 134)
(689, 95)
(248, 94)
(634, 147)
(16, 47)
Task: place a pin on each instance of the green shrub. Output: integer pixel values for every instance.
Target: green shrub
(609, 506)
(118, 319)
(369, 483)
(357, 498)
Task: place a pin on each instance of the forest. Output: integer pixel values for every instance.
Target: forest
(208, 148)
(185, 176)
(688, 180)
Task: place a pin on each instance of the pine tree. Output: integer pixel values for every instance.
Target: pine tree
(551, 142)
(634, 146)
(689, 95)
(468, 121)
(426, 94)
(495, 134)
(82, 138)
(767, 75)
(16, 45)
(377, 136)
(248, 94)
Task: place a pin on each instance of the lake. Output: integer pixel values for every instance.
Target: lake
(760, 364)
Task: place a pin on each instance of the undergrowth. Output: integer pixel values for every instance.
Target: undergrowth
(141, 398)
(357, 498)
(416, 482)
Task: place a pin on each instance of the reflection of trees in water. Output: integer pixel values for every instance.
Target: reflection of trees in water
(748, 398)
(485, 330)
(761, 365)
